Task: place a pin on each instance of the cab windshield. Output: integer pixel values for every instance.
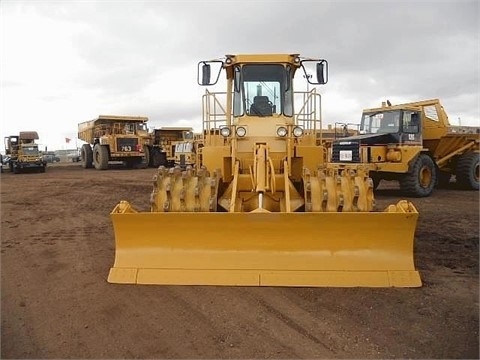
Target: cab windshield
(382, 122)
(31, 150)
(262, 90)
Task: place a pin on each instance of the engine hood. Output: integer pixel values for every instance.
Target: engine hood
(370, 139)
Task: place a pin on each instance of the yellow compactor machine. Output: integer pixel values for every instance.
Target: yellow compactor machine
(261, 207)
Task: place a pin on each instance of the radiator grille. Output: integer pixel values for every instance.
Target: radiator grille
(346, 151)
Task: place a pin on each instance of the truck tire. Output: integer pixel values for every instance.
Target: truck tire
(86, 156)
(421, 180)
(135, 163)
(467, 171)
(159, 158)
(100, 157)
(443, 179)
(148, 158)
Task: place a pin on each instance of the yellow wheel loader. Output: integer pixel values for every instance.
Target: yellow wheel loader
(260, 207)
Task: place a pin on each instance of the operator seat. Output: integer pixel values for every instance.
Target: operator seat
(261, 106)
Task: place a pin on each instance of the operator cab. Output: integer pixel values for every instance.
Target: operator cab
(260, 88)
(403, 125)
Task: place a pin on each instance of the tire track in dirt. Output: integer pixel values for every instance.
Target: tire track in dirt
(57, 247)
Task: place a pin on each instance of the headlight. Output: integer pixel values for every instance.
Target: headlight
(225, 132)
(297, 131)
(281, 131)
(241, 131)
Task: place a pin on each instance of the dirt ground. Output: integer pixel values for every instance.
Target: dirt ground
(57, 246)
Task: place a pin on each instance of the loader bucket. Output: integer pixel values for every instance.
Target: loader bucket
(370, 249)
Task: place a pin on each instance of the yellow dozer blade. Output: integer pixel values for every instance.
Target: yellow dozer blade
(266, 249)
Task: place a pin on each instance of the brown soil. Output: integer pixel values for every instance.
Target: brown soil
(57, 246)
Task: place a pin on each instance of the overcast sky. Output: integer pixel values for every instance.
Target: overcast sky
(64, 62)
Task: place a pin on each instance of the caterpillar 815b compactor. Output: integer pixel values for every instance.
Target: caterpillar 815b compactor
(260, 208)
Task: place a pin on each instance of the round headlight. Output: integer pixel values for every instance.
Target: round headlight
(297, 60)
(225, 132)
(241, 131)
(297, 131)
(281, 131)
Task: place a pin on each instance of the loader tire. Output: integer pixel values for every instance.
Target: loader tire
(467, 171)
(86, 156)
(175, 190)
(100, 157)
(422, 178)
(376, 180)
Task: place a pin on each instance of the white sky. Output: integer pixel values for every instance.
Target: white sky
(64, 62)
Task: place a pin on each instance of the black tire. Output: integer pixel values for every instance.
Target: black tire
(135, 163)
(148, 158)
(422, 178)
(86, 156)
(376, 180)
(443, 179)
(159, 158)
(467, 171)
(100, 157)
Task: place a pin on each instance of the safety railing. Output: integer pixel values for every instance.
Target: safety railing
(309, 115)
(214, 114)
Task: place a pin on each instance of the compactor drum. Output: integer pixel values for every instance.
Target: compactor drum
(261, 207)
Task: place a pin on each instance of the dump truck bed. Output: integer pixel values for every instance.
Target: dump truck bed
(452, 144)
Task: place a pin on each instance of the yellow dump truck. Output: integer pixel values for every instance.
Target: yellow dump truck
(23, 153)
(164, 143)
(114, 138)
(259, 208)
(414, 144)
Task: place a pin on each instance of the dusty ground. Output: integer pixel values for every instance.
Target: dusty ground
(57, 246)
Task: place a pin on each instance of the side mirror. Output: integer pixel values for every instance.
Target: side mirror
(206, 74)
(319, 67)
(322, 72)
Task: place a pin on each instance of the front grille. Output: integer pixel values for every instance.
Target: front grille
(346, 151)
(127, 144)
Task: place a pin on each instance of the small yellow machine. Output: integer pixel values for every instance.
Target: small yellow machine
(260, 208)
(414, 144)
(23, 153)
